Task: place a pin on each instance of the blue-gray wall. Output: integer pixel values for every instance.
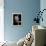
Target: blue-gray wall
(43, 6)
(28, 8)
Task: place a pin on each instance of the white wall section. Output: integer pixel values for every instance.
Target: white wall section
(1, 20)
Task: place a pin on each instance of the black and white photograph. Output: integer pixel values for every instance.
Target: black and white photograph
(16, 19)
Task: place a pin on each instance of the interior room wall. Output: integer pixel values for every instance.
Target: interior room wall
(1, 20)
(28, 8)
(43, 6)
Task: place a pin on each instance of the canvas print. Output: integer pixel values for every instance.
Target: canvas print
(16, 19)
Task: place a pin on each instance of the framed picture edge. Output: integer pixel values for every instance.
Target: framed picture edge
(21, 18)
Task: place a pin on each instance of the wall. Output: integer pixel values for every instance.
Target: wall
(28, 9)
(43, 6)
(1, 20)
